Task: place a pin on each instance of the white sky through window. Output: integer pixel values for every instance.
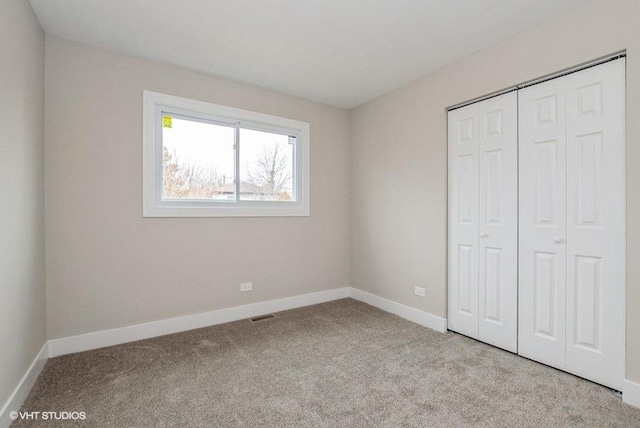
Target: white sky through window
(201, 143)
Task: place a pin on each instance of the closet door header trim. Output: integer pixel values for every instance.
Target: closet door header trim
(580, 67)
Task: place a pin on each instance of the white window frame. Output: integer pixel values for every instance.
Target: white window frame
(154, 104)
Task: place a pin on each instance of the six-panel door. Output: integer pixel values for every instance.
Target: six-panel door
(572, 223)
(483, 221)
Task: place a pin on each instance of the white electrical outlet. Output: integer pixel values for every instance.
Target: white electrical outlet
(419, 291)
(246, 286)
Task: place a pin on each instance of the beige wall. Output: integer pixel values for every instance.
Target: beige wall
(399, 151)
(109, 267)
(22, 293)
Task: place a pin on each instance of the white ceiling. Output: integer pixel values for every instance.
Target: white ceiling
(339, 52)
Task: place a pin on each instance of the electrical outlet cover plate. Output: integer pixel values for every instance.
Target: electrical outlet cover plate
(419, 291)
(246, 286)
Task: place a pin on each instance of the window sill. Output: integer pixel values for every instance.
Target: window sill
(196, 209)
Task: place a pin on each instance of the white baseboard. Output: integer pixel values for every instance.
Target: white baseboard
(116, 336)
(407, 312)
(631, 393)
(100, 339)
(24, 387)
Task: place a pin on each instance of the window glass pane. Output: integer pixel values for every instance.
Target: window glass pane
(198, 160)
(266, 166)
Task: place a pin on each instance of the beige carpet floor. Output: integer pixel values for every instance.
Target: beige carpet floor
(337, 364)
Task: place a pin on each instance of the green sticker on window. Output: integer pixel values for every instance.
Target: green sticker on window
(166, 121)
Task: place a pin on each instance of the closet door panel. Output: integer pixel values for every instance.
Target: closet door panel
(463, 220)
(498, 221)
(542, 223)
(596, 223)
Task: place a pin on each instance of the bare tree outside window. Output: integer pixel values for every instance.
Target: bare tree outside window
(190, 180)
(266, 170)
(271, 170)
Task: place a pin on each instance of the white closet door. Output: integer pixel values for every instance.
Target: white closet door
(542, 223)
(596, 223)
(498, 221)
(463, 220)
